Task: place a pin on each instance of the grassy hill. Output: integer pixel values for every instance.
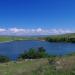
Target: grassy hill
(61, 38)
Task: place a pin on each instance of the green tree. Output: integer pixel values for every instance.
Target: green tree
(41, 53)
(31, 53)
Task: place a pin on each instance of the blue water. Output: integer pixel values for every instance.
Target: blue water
(13, 49)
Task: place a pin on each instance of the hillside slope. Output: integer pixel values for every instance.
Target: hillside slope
(61, 38)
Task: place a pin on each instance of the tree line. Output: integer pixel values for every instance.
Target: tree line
(60, 39)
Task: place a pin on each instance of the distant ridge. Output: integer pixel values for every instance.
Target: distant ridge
(70, 35)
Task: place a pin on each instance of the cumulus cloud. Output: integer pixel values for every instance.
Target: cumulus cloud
(16, 30)
(37, 31)
(61, 31)
(2, 30)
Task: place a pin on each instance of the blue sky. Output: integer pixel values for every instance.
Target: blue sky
(37, 15)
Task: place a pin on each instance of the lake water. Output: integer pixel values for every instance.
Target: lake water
(13, 49)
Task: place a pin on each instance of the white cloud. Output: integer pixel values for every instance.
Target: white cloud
(16, 30)
(61, 31)
(2, 30)
(54, 31)
(37, 31)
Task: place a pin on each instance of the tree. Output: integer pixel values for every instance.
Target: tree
(41, 53)
(31, 53)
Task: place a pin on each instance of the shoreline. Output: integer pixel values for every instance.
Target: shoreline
(6, 41)
(35, 40)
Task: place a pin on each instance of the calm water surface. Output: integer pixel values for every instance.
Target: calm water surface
(13, 49)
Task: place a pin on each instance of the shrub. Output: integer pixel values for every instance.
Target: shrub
(71, 54)
(41, 53)
(52, 59)
(4, 59)
(30, 54)
(34, 54)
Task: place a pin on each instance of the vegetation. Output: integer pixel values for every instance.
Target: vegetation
(34, 54)
(60, 66)
(14, 38)
(61, 38)
(3, 59)
(37, 61)
(52, 38)
(71, 54)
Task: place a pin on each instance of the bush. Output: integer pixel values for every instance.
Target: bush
(52, 59)
(34, 54)
(41, 53)
(71, 54)
(3, 59)
(29, 54)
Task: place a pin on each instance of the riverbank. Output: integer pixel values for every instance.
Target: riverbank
(68, 38)
(61, 66)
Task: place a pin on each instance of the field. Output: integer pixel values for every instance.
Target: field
(62, 66)
(14, 38)
(51, 38)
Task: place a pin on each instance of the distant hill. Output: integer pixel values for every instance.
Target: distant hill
(71, 35)
(61, 38)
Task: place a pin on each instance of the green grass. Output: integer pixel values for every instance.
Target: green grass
(66, 66)
(13, 38)
(53, 37)
(20, 67)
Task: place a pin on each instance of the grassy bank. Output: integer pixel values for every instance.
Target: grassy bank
(21, 67)
(61, 66)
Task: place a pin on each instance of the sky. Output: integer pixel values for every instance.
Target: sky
(32, 17)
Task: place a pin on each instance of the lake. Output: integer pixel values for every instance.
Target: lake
(13, 49)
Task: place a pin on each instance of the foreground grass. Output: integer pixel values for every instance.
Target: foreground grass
(61, 66)
(20, 67)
